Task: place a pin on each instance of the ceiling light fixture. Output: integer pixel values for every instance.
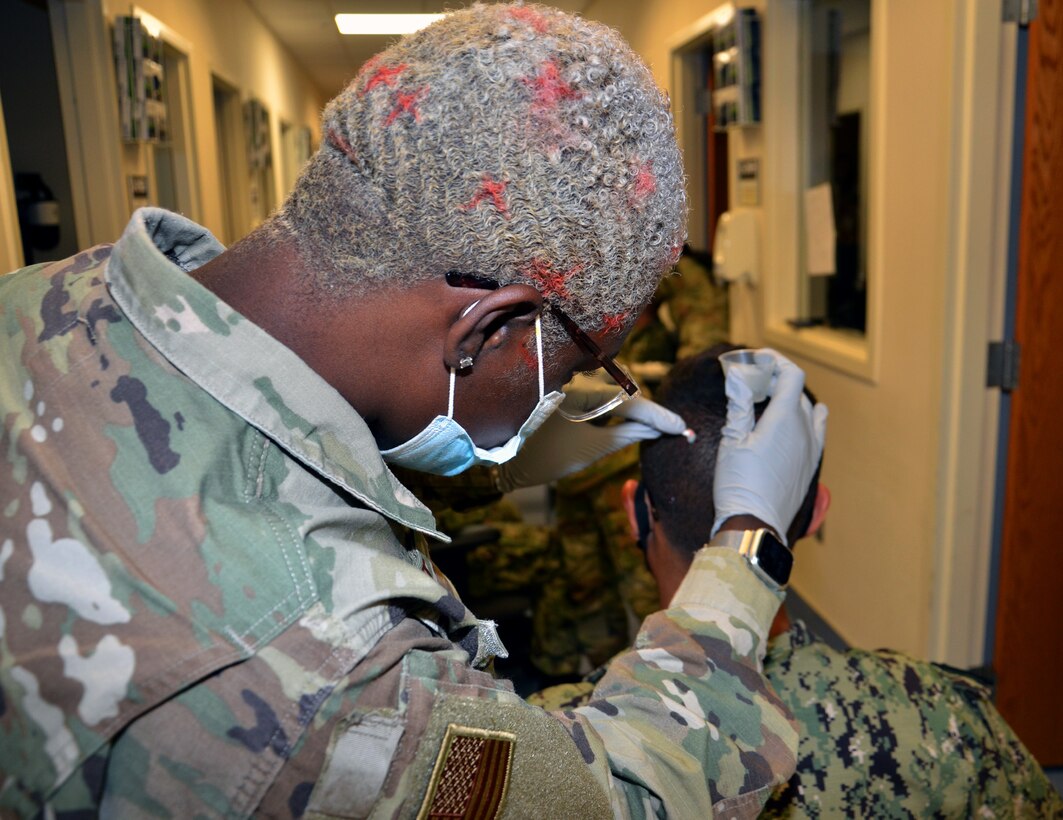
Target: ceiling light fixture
(384, 23)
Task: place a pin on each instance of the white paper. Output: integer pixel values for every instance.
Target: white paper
(819, 230)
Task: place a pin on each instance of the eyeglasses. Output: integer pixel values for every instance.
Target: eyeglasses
(575, 407)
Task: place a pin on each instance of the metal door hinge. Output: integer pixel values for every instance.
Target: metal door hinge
(1002, 367)
(1022, 12)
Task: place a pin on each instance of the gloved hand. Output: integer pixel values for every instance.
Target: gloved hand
(764, 468)
(561, 447)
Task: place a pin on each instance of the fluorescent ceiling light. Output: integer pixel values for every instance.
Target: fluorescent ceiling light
(384, 23)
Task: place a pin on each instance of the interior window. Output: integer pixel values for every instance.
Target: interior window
(835, 59)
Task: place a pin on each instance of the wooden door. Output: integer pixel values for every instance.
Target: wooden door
(717, 164)
(1028, 655)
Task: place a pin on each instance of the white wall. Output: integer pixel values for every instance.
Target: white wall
(876, 575)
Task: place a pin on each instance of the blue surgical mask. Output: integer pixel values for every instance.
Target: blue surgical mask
(445, 448)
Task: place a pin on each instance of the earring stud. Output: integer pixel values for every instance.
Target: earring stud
(465, 362)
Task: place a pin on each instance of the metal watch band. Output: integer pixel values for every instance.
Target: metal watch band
(768, 557)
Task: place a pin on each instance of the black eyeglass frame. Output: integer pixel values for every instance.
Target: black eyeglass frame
(457, 279)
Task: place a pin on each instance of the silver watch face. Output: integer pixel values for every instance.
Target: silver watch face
(767, 555)
(773, 558)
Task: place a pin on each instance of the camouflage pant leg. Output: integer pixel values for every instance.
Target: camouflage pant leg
(591, 604)
(520, 560)
(567, 628)
(555, 649)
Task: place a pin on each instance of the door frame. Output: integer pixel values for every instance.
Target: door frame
(89, 105)
(230, 144)
(11, 256)
(983, 99)
(181, 121)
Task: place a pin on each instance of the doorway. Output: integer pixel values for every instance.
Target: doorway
(174, 158)
(29, 88)
(232, 160)
(262, 189)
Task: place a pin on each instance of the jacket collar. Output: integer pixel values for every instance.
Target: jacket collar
(245, 368)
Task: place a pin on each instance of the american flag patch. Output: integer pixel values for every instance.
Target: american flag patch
(471, 775)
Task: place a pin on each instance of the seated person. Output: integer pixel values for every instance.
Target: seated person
(583, 580)
(881, 734)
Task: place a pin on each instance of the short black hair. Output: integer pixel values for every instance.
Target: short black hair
(678, 475)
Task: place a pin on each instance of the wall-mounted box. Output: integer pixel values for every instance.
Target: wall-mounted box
(139, 72)
(736, 71)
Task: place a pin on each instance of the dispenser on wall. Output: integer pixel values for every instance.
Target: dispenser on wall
(735, 250)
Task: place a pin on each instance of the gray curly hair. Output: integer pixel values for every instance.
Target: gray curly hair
(514, 142)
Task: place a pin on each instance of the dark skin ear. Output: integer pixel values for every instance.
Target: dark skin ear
(667, 564)
(490, 321)
(496, 328)
(627, 498)
(819, 512)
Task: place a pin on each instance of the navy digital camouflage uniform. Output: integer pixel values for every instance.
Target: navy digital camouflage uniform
(214, 597)
(884, 735)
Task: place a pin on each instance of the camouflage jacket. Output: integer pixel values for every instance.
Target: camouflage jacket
(884, 735)
(212, 601)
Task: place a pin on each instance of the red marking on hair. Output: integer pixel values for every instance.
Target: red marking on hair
(370, 64)
(548, 88)
(492, 190)
(614, 322)
(385, 75)
(405, 103)
(528, 357)
(340, 142)
(367, 66)
(645, 182)
(531, 17)
(550, 282)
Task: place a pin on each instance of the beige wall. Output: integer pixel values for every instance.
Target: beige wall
(228, 39)
(873, 575)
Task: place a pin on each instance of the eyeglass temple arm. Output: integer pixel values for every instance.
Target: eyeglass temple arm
(588, 345)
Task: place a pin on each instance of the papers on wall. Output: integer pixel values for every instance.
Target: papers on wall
(820, 236)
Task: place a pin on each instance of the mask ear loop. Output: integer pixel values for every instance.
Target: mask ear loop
(450, 395)
(453, 372)
(539, 351)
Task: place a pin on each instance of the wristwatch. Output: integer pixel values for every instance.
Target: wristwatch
(769, 557)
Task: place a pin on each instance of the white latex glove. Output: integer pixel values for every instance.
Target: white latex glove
(765, 470)
(561, 447)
